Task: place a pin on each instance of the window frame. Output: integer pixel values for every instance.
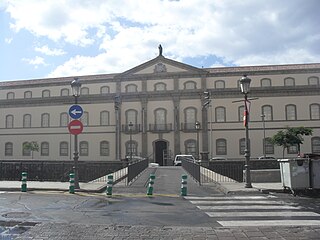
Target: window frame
(44, 149)
(222, 148)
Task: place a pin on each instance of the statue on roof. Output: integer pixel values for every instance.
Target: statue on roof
(160, 50)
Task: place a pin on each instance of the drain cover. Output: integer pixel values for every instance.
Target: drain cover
(16, 215)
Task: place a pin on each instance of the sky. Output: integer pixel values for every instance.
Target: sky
(60, 38)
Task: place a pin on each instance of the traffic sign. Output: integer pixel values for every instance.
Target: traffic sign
(75, 127)
(75, 111)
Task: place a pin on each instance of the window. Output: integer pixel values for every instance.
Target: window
(25, 151)
(104, 118)
(131, 116)
(265, 82)
(104, 148)
(160, 118)
(266, 110)
(291, 113)
(313, 81)
(292, 149)
(220, 84)
(190, 118)
(27, 121)
(85, 119)
(44, 149)
(315, 145)
(9, 121)
(242, 145)
(190, 85)
(131, 148)
(64, 149)
(241, 113)
(64, 92)
(64, 118)
(220, 113)
(27, 94)
(269, 147)
(84, 148)
(84, 91)
(315, 111)
(45, 93)
(104, 90)
(221, 146)
(160, 87)
(131, 88)
(190, 147)
(45, 120)
(8, 151)
(10, 95)
(289, 81)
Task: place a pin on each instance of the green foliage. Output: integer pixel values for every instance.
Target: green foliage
(32, 146)
(291, 137)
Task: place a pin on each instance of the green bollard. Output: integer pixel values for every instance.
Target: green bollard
(150, 185)
(71, 181)
(24, 182)
(184, 185)
(109, 185)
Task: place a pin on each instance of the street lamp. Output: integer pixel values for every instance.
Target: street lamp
(245, 86)
(130, 132)
(197, 128)
(264, 134)
(76, 86)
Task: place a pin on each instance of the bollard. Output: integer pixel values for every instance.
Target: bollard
(24, 182)
(71, 181)
(150, 185)
(184, 185)
(109, 185)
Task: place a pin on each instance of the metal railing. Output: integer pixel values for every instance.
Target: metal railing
(192, 168)
(136, 168)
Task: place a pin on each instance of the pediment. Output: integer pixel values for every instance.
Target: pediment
(161, 65)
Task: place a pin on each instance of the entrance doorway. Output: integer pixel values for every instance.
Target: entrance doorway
(160, 148)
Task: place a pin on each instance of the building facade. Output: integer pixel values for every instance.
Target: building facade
(156, 106)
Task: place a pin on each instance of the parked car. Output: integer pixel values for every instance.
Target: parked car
(217, 159)
(266, 158)
(179, 158)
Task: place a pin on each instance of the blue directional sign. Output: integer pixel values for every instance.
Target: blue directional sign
(75, 111)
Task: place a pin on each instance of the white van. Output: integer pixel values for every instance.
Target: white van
(179, 158)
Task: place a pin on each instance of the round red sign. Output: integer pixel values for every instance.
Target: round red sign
(75, 127)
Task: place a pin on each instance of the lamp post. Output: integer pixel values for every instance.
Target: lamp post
(264, 134)
(245, 86)
(197, 129)
(76, 86)
(130, 132)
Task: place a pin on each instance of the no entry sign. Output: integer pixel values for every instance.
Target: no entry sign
(75, 127)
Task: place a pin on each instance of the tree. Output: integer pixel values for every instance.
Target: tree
(290, 137)
(32, 146)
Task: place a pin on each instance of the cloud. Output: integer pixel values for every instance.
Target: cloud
(50, 52)
(8, 40)
(35, 61)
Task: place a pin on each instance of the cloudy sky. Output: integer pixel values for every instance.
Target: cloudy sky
(57, 38)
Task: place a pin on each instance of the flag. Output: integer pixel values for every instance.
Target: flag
(246, 112)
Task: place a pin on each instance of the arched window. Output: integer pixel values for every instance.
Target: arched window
(313, 81)
(8, 151)
(64, 92)
(27, 94)
(84, 91)
(104, 118)
(190, 118)
(104, 90)
(266, 82)
(221, 146)
(131, 116)
(315, 111)
(292, 149)
(266, 110)
(104, 148)
(160, 86)
(64, 149)
(131, 88)
(64, 119)
(190, 147)
(45, 120)
(85, 119)
(190, 85)
(241, 113)
(242, 145)
(131, 148)
(45, 93)
(9, 121)
(25, 151)
(220, 113)
(27, 121)
(291, 113)
(44, 149)
(160, 118)
(10, 95)
(219, 84)
(84, 148)
(269, 147)
(315, 145)
(289, 81)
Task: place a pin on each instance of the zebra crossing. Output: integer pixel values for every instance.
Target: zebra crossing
(252, 210)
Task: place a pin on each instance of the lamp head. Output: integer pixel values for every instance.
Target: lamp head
(76, 86)
(245, 84)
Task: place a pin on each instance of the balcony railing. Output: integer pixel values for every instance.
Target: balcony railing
(134, 129)
(160, 127)
(188, 127)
